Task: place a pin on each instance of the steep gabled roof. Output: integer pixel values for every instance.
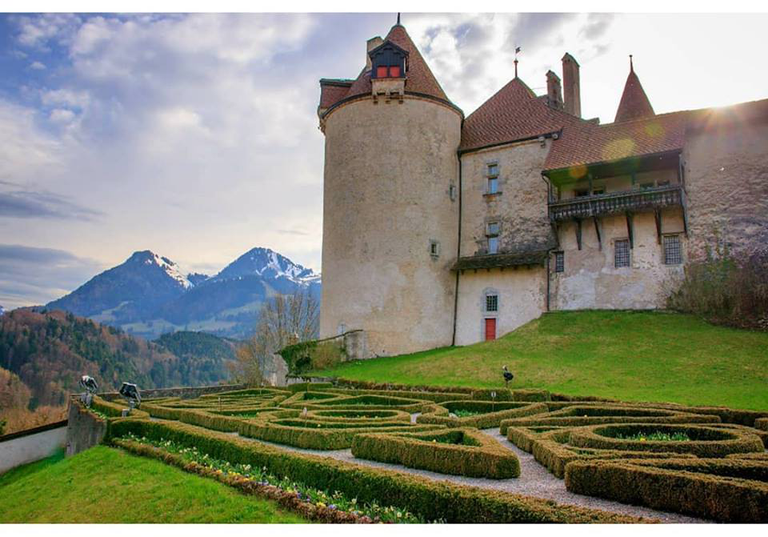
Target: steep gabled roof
(513, 113)
(634, 102)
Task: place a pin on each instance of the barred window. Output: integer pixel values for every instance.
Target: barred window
(559, 262)
(491, 302)
(621, 253)
(673, 253)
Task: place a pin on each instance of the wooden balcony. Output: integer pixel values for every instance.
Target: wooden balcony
(629, 201)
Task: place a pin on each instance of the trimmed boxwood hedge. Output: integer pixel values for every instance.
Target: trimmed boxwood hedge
(493, 413)
(316, 435)
(762, 424)
(551, 449)
(577, 415)
(725, 490)
(455, 451)
(704, 442)
(115, 410)
(430, 499)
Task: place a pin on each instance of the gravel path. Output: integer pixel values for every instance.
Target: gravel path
(534, 481)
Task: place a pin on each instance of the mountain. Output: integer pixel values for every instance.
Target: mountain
(50, 350)
(128, 292)
(148, 295)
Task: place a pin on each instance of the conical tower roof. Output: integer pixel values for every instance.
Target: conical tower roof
(634, 102)
(419, 77)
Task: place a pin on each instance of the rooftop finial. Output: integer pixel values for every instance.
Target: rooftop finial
(631, 67)
(398, 19)
(517, 50)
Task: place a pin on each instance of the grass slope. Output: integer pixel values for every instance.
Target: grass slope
(109, 485)
(637, 356)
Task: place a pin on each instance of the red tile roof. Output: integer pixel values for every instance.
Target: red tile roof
(513, 113)
(419, 78)
(634, 102)
(332, 91)
(587, 143)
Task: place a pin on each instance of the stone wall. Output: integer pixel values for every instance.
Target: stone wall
(30, 446)
(389, 168)
(521, 293)
(726, 177)
(187, 392)
(591, 280)
(520, 206)
(84, 429)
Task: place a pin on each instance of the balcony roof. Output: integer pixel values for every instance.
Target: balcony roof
(536, 257)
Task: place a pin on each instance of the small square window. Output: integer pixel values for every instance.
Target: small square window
(493, 170)
(394, 71)
(493, 185)
(673, 252)
(598, 191)
(621, 253)
(493, 229)
(581, 193)
(381, 71)
(559, 262)
(452, 192)
(434, 248)
(491, 303)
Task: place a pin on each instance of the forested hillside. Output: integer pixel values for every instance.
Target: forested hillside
(50, 350)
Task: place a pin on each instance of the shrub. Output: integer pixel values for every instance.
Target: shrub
(429, 499)
(725, 490)
(705, 441)
(491, 413)
(309, 434)
(726, 290)
(455, 451)
(578, 415)
(761, 423)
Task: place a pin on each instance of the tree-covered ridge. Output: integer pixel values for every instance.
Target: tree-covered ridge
(50, 350)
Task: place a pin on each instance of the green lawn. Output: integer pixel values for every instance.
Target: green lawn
(108, 485)
(636, 356)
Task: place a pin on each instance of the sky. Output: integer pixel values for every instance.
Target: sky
(196, 136)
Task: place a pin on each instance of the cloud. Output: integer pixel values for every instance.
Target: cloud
(30, 276)
(37, 66)
(30, 204)
(597, 25)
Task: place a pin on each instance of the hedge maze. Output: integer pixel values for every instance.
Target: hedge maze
(706, 462)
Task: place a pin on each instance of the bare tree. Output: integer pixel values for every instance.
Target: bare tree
(283, 320)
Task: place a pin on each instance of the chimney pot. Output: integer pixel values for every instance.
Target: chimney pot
(371, 44)
(571, 85)
(554, 91)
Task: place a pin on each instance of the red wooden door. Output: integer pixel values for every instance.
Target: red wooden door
(490, 329)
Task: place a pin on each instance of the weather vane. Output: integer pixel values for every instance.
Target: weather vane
(517, 50)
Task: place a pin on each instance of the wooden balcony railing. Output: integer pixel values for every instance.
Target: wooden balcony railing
(616, 203)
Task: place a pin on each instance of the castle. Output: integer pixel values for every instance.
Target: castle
(441, 229)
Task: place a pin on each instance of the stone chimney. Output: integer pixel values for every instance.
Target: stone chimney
(554, 91)
(370, 45)
(571, 85)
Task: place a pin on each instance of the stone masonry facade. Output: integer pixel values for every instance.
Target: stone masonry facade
(441, 229)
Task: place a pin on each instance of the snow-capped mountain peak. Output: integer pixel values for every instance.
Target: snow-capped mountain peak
(268, 264)
(148, 257)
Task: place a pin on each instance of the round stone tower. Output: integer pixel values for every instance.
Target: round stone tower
(391, 210)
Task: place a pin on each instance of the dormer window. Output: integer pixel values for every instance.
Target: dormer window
(388, 61)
